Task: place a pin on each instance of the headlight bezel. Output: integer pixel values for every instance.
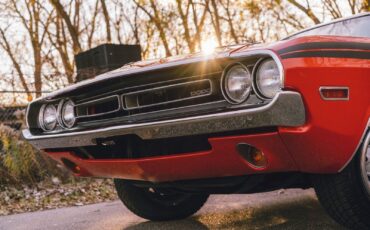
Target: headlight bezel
(256, 88)
(41, 117)
(60, 116)
(225, 91)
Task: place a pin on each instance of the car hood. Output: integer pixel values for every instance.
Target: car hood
(171, 61)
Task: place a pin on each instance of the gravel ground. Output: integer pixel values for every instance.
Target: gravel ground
(283, 209)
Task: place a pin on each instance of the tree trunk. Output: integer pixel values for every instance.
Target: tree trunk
(307, 10)
(71, 28)
(216, 22)
(107, 20)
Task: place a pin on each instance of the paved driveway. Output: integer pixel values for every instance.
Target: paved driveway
(284, 209)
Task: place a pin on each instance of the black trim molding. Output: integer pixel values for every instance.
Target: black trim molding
(328, 53)
(326, 45)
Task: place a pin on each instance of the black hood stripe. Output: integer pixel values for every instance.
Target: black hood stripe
(326, 45)
(329, 53)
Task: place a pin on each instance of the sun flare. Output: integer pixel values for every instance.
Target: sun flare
(209, 46)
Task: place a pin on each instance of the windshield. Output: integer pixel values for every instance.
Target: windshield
(354, 27)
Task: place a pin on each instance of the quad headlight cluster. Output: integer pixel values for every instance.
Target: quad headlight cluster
(51, 115)
(237, 81)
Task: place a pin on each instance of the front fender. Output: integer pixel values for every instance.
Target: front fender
(334, 129)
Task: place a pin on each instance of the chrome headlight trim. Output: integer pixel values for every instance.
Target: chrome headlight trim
(256, 86)
(224, 90)
(41, 117)
(60, 116)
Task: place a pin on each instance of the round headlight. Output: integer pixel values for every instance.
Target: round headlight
(237, 84)
(67, 113)
(268, 79)
(48, 117)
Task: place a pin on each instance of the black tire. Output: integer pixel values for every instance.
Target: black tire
(158, 205)
(345, 195)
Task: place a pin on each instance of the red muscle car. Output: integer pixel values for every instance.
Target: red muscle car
(246, 119)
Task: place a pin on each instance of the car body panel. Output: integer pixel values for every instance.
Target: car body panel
(334, 128)
(222, 160)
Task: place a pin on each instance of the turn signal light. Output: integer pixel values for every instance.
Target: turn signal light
(258, 158)
(252, 155)
(334, 93)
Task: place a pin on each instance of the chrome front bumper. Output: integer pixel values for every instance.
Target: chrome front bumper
(286, 109)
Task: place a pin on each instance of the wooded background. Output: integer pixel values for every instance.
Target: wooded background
(38, 38)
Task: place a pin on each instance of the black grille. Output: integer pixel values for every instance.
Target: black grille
(151, 100)
(98, 107)
(131, 146)
(167, 94)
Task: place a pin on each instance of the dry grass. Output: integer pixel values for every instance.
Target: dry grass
(53, 194)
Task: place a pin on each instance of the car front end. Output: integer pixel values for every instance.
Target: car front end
(164, 121)
(252, 118)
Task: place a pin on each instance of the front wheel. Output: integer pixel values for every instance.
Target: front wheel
(158, 205)
(346, 195)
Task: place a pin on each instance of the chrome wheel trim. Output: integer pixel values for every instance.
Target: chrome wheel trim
(365, 164)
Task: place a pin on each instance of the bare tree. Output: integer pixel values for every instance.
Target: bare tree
(192, 36)
(17, 66)
(306, 9)
(29, 15)
(365, 6)
(73, 30)
(229, 18)
(158, 21)
(59, 41)
(92, 24)
(107, 20)
(215, 16)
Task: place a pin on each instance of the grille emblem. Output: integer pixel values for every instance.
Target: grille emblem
(199, 92)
